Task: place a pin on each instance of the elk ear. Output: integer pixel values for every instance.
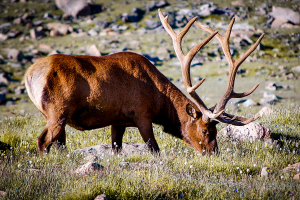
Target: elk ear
(191, 111)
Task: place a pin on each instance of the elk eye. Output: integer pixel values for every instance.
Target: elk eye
(204, 131)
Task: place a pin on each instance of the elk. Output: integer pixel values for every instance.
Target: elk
(125, 90)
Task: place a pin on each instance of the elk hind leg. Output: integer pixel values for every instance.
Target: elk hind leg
(50, 134)
(117, 132)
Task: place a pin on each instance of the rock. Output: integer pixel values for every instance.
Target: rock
(74, 8)
(3, 37)
(13, 33)
(206, 10)
(4, 79)
(36, 33)
(102, 24)
(2, 97)
(249, 102)
(163, 53)
(44, 48)
(101, 197)
(60, 29)
(278, 22)
(161, 3)
(269, 98)
(88, 168)
(265, 172)
(9, 103)
(54, 52)
(250, 132)
(273, 86)
(80, 34)
(92, 33)
(296, 69)
(294, 167)
(2, 194)
(17, 20)
(4, 28)
(285, 13)
(15, 55)
(265, 111)
(92, 50)
(15, 65)
(127, 148)
(237, 3)
(152, 24)
(297, 177)
(20, 90)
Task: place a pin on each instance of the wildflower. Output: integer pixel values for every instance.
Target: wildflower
(247, 170)
(175, 140)
(282, 177)
(254, 165)
(28, 152)
(115, 143)
(237, 168)
(191, 166)
(30, 162)
(84, 142)
(241, 172)
(185, 163)
(107, 160)
(228, 149)
(161, 162)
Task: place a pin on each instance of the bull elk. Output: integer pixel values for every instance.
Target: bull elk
(125, 90)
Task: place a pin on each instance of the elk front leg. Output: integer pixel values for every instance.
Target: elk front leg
(117, 133)
(146, 131)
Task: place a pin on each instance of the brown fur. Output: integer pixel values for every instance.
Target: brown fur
(121, 90)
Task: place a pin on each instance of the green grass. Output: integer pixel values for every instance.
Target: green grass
(178, 173)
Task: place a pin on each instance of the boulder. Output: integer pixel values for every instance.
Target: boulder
(92, 50)
(249, 102)
(20, 90)
(297, 177)
(272, 86)
(15, 55)
(152, 24)
(277, 22)
(4, 79)
(250, 132)
(74, 8)
(88, 168)
(296, 69)
(286, 14)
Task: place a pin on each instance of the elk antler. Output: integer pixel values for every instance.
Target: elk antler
(233, 67)
(185, 62)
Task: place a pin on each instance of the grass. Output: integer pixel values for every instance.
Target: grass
(178, 173)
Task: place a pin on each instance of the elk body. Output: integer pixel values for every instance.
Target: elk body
(126, 90)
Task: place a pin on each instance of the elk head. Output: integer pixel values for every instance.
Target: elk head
(201, 130)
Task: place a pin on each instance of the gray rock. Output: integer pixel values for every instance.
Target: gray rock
(152, 24)
(265, 172)
(249, 102)
(74, 8)
(36, 33)
(4, 79)
(269, 98)
(92, 33)
(17, 20)
(10, 103)
(20, 90)
(88, 168)
(272, 86)
(265, 111)
(15, 55)
(59, 28)
(92, 50)
(54, 52)
(285, 13)
(250, 132)
(296, 69)
(278, 22)
(15, 65)
(4, 28)
(101, 197)
(3, 37)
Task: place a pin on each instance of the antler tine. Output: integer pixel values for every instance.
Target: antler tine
(233, 65)
(185, 62)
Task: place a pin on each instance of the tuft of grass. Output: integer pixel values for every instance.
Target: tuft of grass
(178, 173)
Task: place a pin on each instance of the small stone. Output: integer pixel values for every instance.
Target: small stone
(101, 197)
(88, 168)
(265, 172)
(265, 111)
(3, 37)
(10, 103)
(92, 50)
(296, 69)
(15, 54)
(74, 8)
(297, 177)
(293, 167)
(60, 29)
(278, 22)
(2, 194)
(35, 33)
(20, 90)
(17, 21)
(249, 102)
(92, 33)
(44, 47)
